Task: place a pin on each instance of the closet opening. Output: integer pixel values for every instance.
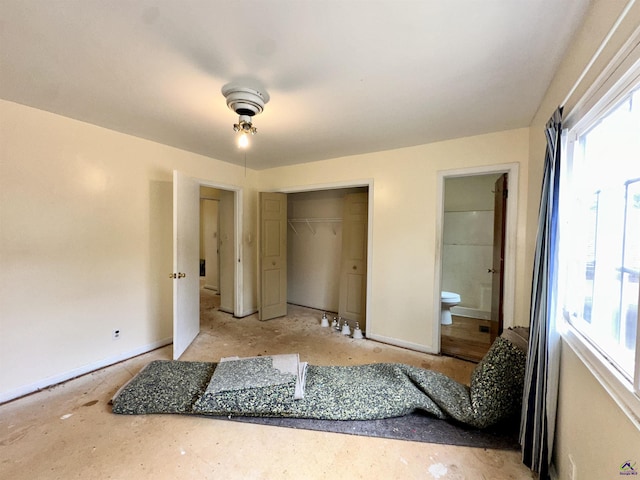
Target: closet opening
(327, 251)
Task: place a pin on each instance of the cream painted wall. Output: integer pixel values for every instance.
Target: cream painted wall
(404, 201)
(590, 426)
(85, 244)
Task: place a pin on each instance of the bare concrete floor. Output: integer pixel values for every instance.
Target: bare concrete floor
(68, 431)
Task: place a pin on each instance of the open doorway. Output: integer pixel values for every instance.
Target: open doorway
(476, 258)
(217, 240)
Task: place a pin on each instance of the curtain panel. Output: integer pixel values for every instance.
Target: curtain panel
(540, 394)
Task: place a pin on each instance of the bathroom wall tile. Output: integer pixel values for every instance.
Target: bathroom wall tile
(468, 228)
(464, 271)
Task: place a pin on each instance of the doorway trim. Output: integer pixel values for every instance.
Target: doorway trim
(349, 184)
(508, 302)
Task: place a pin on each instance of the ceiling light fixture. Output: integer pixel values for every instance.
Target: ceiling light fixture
(246, 102)
(243, 140)
(244, 127)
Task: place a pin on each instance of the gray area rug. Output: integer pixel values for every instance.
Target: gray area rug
(414, 427)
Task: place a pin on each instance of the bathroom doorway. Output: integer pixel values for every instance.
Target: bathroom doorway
(475, 258)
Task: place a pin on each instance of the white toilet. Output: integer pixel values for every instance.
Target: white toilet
(448, 300)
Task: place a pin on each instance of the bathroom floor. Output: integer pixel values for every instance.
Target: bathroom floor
(467, 338)
(68, 431)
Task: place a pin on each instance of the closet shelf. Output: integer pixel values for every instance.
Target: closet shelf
(309, 221)
(314, 220)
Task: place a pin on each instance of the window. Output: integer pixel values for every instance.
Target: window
(600, 234)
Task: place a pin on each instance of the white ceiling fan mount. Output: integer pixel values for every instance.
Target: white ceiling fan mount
(245, 101)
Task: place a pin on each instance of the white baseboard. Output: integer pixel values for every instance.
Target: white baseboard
(401, 343)
(63, 377)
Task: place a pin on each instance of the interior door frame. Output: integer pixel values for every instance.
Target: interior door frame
(238, 283)
(508, 303)
(368, 183)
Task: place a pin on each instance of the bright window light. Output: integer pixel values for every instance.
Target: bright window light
(600, 233)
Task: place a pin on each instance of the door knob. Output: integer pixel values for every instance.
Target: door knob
(177, 275)
(491, 270)
(182, 275)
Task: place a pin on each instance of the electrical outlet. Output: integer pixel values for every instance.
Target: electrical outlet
(573, 471)
(116, 334)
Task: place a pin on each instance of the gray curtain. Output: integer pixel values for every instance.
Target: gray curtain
(539, 403)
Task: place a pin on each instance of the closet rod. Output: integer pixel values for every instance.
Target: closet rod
(309, 221)
(314, 220)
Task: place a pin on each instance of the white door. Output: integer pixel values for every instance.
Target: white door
(186, 262)
(353, 269)
(273, 255)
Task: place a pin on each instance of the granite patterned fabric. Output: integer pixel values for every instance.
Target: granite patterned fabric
(164, 387)
(363, 392)
(497, 383)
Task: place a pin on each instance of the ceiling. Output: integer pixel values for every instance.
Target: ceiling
(344, 76)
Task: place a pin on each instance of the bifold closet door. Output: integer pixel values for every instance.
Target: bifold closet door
(273, 255)
(353, 269)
